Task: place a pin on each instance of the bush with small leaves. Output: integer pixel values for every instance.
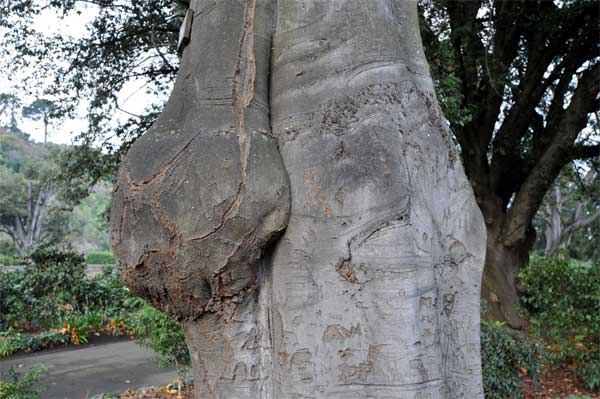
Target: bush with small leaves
(22, 386)
(161, 333)
(562, 301)
(504, 355)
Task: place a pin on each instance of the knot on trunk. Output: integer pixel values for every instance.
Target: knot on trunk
(192, 212)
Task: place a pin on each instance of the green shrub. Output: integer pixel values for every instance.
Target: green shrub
(100, 258)
(162, 334)
(12, 341)
(6, 260)
(11, 303)
(504, 354)
(22, 386)
(50, 286)
(7, 247)
(588, 368)
(56, 289)
(562, 299)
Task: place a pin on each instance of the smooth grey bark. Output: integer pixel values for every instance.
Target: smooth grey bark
(373, 290)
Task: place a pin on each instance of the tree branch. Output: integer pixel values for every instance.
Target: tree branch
(574, 42)
(531, 193)
(578, 224)
(467, 46)
(584, 151)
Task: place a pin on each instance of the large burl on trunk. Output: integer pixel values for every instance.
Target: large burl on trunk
(320, 116)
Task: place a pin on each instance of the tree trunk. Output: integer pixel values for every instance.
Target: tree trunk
(500, 285)
(373, 290)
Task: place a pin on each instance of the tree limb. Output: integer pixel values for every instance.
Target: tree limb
(532, 192)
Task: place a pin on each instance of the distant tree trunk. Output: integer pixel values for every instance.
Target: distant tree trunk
(560, 222)
(553, 223)
(25, 231)
(45, 129)
(373, 290)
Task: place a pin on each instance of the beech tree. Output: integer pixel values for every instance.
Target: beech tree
(300, 208)
(520, 83)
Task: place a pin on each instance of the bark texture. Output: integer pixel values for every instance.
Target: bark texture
(503, 262)
(204, 191)
(373, 290)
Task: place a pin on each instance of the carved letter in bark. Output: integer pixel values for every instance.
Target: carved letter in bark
(373, 290)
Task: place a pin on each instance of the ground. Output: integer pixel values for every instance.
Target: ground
(557, 383)
(83, 371)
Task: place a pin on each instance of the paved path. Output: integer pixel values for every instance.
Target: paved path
(82, 372)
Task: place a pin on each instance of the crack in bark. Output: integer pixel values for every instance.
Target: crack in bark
(165, 167)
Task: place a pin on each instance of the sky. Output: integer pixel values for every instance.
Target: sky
(132, 99)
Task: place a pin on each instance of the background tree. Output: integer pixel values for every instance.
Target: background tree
(573, 203)
(584, 244)
(26, 192)
(519, 82)
(10, 105)
(41, 109)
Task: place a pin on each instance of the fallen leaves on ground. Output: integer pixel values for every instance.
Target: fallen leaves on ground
(556, 383)
(168, 392)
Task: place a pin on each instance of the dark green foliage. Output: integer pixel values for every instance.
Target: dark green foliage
(162, 334)
(12, 341)
(7, 247)
(79, 168)
(100, 258)
(9, 260)
(588, 368)
(22, 386)
(503, 354)
(54, 287)
(439, 53)
(562, 299)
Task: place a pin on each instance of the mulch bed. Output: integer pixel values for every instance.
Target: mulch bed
(556, 383)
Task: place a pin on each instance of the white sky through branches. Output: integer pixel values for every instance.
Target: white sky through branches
(132, 98)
